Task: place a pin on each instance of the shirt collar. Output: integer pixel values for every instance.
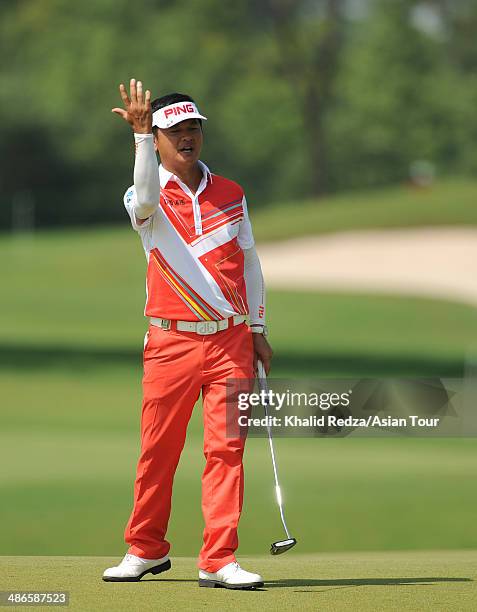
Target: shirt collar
(165, 175)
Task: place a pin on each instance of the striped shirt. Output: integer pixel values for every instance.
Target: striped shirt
(193, 245)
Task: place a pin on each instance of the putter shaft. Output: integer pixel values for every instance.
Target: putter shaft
(262, 383)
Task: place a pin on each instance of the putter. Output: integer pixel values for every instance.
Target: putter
(277, 548)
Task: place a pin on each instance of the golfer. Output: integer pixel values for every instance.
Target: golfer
(204, 282)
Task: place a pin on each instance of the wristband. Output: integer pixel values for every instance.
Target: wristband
(259, 329)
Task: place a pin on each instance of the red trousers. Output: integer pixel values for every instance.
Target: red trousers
(177, 367)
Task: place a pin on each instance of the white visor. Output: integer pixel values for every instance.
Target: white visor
(174, 113)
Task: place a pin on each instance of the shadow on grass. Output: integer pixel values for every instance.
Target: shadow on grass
(342, 582)
(285, 363)
(338, 583)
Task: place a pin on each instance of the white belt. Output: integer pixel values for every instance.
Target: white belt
(203, 328)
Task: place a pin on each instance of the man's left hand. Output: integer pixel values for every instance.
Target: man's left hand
(262, 351)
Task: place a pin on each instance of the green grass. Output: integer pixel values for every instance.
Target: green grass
(70, 357)
(449, 202)
(70, 441)
(426, 581)
(384, 335)
(78, 296)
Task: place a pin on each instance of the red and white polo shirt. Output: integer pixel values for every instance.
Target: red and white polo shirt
(193, 245)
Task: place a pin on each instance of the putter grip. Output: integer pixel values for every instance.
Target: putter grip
(261, 370)
(262, 380)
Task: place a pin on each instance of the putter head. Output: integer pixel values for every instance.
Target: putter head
(277, 548)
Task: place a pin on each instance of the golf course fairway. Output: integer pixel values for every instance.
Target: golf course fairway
(418, 580)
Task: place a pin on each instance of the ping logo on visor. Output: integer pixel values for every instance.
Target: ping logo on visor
(174, 113)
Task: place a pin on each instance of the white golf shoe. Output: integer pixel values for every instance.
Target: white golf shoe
(231, 576)
(132, 569)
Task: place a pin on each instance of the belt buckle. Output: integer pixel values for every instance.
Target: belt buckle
(204, 328)
(165, 324)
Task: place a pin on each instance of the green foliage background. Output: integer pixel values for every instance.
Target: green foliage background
(291, 115)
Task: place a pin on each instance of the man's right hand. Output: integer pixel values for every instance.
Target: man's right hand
(137, 107)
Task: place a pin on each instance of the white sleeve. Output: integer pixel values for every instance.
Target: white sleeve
(255, 286)
(245, 235)
(146, 177)
(130, 201)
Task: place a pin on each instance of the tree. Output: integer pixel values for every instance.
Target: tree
(309, 37)
(385, 116)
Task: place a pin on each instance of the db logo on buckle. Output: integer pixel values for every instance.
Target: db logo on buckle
(204, 328)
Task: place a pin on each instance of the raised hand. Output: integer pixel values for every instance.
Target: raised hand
(137, 107)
